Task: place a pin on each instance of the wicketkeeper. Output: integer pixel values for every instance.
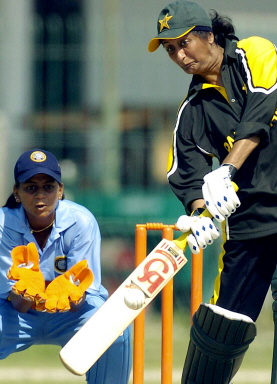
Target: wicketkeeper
(229, 114)
(50, 271)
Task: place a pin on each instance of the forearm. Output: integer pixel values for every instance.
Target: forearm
(76, 307)
(19, 303)
(237, 156)
(241, 150)
(199, 203)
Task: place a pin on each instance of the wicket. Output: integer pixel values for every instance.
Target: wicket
(167, 232)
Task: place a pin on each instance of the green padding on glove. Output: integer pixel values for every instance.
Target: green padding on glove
(69, 287)
(25, 269)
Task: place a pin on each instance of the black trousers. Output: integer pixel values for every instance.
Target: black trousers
(247, 270)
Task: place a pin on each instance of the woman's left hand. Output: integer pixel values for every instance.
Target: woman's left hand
(220, 197)
(68, 288)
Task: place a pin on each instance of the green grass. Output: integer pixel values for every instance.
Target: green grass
(41, 364)
(256, 367)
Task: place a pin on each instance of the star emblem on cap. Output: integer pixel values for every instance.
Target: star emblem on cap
(164, 22)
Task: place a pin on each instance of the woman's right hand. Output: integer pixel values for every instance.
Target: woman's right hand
(203, 230)
(20, 303)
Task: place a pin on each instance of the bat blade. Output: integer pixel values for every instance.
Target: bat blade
(99, 332)
(114, 316)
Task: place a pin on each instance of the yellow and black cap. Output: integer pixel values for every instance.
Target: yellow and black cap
(177, 19)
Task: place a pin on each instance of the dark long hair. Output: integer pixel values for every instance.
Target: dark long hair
(11, 202)
(223, 28)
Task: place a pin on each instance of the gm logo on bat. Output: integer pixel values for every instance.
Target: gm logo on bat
(158, 268)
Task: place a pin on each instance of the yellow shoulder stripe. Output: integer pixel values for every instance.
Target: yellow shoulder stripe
(260, 61)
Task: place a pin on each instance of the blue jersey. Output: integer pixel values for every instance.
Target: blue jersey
(75, 236)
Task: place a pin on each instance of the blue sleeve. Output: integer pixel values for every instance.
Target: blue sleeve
(85, 243)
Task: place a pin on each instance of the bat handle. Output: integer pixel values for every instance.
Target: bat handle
(181, 241)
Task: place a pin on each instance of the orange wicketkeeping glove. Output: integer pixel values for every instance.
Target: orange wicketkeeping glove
(25, 269)
(69, 287)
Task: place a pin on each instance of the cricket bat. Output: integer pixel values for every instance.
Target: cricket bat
(150, 276)
(98, 333)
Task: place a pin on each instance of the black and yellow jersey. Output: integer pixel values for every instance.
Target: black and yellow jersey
(212, 118)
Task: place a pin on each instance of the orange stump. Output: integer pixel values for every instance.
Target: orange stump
(167, 306)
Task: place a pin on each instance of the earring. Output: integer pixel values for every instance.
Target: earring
(17, 199)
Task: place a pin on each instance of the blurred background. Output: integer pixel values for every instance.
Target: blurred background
(76, 79)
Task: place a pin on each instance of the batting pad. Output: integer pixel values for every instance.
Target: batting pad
(218, 341)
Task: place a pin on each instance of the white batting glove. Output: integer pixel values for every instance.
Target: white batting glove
(220, 197)
(203, 230)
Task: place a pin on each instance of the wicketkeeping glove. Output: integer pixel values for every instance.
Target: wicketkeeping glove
(69, 287)
(203, 230)
(25, 269)
(218, 192)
